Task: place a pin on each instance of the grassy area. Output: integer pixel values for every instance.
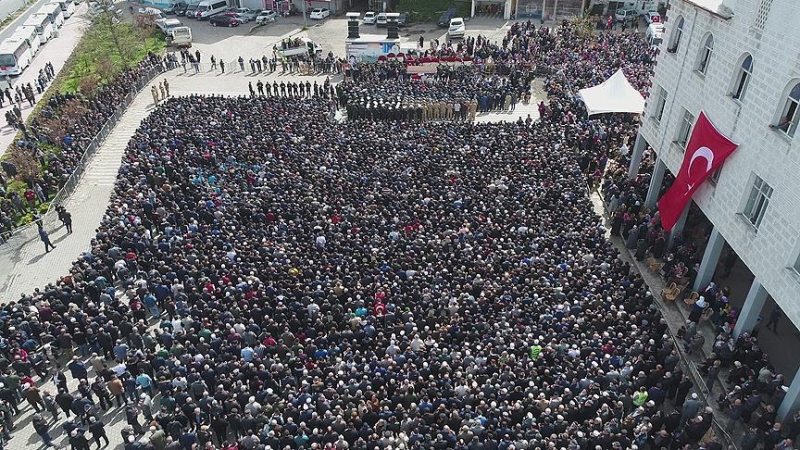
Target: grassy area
(430, 10)
(105, 51)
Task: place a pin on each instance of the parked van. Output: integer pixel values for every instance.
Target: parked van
(43, 26)
(15, 56)
(208, 8)
(655, 34)
(54, 12)
(67, 7)
(29, 34)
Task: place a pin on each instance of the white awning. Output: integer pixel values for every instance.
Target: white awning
(614, 95)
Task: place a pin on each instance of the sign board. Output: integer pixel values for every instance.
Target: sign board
(370, 51)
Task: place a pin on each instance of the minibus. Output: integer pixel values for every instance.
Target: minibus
(67, 7)
(30, 35)
(15, 56)
(44, 28)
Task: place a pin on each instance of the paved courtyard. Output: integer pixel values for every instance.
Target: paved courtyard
(30, 267)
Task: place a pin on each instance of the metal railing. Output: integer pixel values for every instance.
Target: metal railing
(23, 234)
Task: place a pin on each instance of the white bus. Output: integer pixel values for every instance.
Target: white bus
(208, 8)
(29, 34)
(54, 12)
(14, 57)
(67, 7)
(44, 28)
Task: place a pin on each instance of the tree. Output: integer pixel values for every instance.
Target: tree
(111, 39)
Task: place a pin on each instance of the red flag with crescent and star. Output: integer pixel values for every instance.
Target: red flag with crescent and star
(705, 152)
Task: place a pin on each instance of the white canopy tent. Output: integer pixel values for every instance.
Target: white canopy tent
(614, 95)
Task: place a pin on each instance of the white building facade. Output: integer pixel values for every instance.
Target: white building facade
(739, 62)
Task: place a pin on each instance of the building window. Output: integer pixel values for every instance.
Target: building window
(661, 103)
(790, 115)
(758, 202)
(714, 178)
(685, 129)
(762, 13)
(705, 54)
(677, 33)
(743, 78)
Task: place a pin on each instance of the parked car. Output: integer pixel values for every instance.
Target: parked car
(155, 13)
(173, 8)
(266, 17)
(191, 10)
(369, 18)
(380, 20)
(626, 15)
(652, 17)
(180, 8)
(247, 14)
(224, 20)
(319, 13)
(444, 20)
(238, 16)
(402, 20)
(457, 28)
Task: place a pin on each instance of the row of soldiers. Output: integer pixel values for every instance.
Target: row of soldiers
(420, 111)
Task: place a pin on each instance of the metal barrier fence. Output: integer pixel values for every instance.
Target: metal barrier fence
(16, 238)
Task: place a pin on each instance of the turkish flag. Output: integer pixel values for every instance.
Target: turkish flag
(705, 153)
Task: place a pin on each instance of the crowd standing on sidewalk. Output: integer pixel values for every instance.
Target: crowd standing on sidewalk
(71, 133)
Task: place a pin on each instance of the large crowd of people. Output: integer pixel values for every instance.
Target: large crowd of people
(265, 279)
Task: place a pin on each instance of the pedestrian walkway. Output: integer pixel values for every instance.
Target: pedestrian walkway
(57, 51)
(31, 267)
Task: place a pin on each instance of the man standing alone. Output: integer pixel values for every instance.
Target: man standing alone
(46, 240)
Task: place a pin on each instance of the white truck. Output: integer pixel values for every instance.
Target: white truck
(297, 47)
(180, 37)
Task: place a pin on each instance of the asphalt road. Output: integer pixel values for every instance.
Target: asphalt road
(9, 6)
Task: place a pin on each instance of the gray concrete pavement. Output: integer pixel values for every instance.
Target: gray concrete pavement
(57, 51)
(29, 268)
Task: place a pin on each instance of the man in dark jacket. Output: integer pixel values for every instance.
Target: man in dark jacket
(64, 400)
(78, 369)
(98, 430)
(132, 417)
(78, 441)
(42, 429)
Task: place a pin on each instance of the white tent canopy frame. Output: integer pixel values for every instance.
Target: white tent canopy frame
(615, 95)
